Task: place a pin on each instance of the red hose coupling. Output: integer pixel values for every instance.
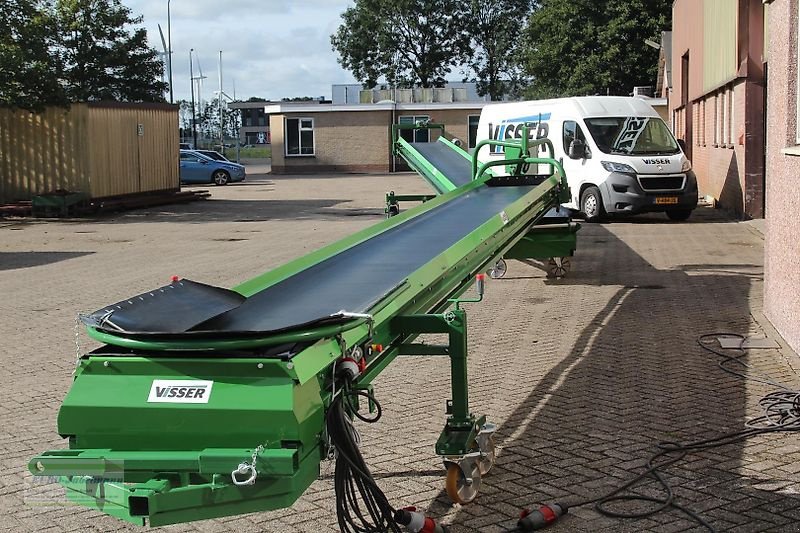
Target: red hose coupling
(416, 522)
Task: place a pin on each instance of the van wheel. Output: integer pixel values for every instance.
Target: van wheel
(592, 204)
(679, 214)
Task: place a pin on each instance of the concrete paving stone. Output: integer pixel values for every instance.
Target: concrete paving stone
(583, 375)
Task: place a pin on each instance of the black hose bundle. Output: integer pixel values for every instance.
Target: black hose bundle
(781, 414)
(361, 506)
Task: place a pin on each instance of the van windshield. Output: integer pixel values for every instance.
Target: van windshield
(632, 135)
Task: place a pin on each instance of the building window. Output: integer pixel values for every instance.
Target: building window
(703, 122)
(299, 136)
(472, 128)
(415, 136)
(729, 113)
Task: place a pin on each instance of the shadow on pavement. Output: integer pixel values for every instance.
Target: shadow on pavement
(635, 376)
(14, 260)
(223, 210)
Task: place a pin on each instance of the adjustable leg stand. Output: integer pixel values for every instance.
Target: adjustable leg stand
(465, 443)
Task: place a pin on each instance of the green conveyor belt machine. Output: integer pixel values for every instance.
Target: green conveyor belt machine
(206, 402)
(445, 166)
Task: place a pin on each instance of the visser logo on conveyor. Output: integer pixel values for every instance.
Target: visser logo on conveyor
(511, 128)
(179, 391)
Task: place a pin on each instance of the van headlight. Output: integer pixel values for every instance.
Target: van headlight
(686, 166)
(622, 168)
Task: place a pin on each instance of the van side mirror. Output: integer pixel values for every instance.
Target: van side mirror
(577, 149)
(682, 144)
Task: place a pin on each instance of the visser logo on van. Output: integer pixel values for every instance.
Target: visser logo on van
(179, 391)
(655, 161)
(511, 128)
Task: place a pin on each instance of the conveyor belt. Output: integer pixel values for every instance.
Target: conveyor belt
(353, 280)
(455, 166)
(458, 170)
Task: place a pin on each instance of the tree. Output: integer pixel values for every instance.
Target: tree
(585, 47)
(209, 120)
(407, 42)
(494, 28)
(28, 72)
(103, 57)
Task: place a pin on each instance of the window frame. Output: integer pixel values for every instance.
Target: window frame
(414, 120)
(578, 130)
(470, 144)
(300, 130)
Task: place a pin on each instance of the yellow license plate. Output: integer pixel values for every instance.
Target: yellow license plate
(666, 200)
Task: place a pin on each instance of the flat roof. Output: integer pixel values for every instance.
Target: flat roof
(279, 109)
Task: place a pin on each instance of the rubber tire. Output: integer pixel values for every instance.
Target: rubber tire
(679, 215)
(220, 177)
(599, 212)
(498, 270)
(452, 482)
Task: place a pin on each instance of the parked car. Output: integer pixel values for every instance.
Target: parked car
(185, 146)
(213, 155)
(197, 168)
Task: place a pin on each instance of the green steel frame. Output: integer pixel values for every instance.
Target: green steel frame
(166, 463)
(543, 242)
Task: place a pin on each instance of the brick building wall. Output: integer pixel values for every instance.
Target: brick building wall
(722, 122)
(718, 150)
(343, 141)
(356, 138)
(781, 250)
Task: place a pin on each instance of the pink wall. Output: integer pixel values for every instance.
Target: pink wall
(731, 173)
(782, 249)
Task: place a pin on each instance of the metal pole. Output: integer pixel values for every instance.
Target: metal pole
(169, 56)
(219, 104)
(194, 117)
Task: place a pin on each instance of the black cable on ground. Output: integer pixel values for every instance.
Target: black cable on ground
(781, 413)
(361, 506)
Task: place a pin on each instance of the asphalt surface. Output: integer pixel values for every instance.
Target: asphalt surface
(583, 375)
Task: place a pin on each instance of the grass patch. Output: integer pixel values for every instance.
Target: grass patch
(249, 153)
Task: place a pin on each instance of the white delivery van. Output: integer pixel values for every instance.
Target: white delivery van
(618, 154)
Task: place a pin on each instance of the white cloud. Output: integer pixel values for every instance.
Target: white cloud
(272, 49)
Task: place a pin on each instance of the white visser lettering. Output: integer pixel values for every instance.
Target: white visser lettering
(180, 391)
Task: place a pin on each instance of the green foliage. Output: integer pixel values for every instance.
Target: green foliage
(255, 152)
(209, 120)
(103, 59)
(28, 73)
(52, 53)
(407, 42)
(494, 28)
(586, 47)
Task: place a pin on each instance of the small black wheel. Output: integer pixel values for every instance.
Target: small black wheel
(558, 267)
(220, 177)
(393, 210)
(592, 204)
(679, 214)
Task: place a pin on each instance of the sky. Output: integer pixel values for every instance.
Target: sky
(270, 48)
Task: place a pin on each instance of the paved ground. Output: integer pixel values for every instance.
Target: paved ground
(583, 375)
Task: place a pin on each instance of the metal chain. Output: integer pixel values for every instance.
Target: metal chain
(245, 469)
(77, 330)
